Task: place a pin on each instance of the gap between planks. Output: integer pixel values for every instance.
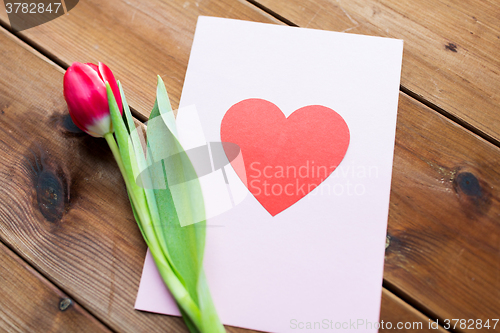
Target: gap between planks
(42, 53)
(396, 291)
(284, 20)
(402, 88)
(54, 283)
(415, 305)
(52, 58)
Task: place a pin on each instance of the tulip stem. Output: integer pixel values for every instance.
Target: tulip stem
(116, 152)
(179, 292)
(145, 220)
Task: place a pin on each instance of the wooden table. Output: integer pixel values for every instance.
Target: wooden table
(71, 253)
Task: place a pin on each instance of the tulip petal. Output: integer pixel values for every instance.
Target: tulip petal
(102, 125)
(93, 66)
(85, 94)
(107, 76)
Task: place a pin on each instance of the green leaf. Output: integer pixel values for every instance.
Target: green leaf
(142, 174)
(138, 161)
(209, 318)
(185, 244)
(128, 158)
(137, 219)
(189, 323)
(181, 207)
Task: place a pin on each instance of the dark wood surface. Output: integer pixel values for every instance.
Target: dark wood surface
(451, 47)
(61, 208)
(30, 303)
(63, 215)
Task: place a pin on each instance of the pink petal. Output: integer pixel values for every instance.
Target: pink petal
(85, 94)
(94, 67)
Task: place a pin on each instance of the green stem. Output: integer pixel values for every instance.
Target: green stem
(177, 289)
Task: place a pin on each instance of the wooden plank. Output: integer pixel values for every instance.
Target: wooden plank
(76, 227)
(63, 205)
(444, 233)
(137, 39)
(433, 192)
(402, 317)
(451, 53)
(30, 303)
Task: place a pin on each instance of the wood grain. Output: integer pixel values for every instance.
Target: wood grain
(451, 52)
(444, 231)
(402, 317)
(30, 303)
(444, 234)
(137, 39)
(63, 205)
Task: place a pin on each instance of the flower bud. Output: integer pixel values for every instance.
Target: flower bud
(85, 94)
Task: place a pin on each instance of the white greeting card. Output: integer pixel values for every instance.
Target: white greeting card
(297, 213)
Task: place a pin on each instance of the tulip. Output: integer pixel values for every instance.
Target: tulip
(96, 104)
(85, 94)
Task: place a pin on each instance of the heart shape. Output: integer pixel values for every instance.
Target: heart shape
(284, 158)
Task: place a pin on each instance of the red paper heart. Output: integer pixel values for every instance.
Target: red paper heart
(284, 158)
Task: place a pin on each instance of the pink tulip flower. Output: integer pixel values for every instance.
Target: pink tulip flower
(85, 94)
